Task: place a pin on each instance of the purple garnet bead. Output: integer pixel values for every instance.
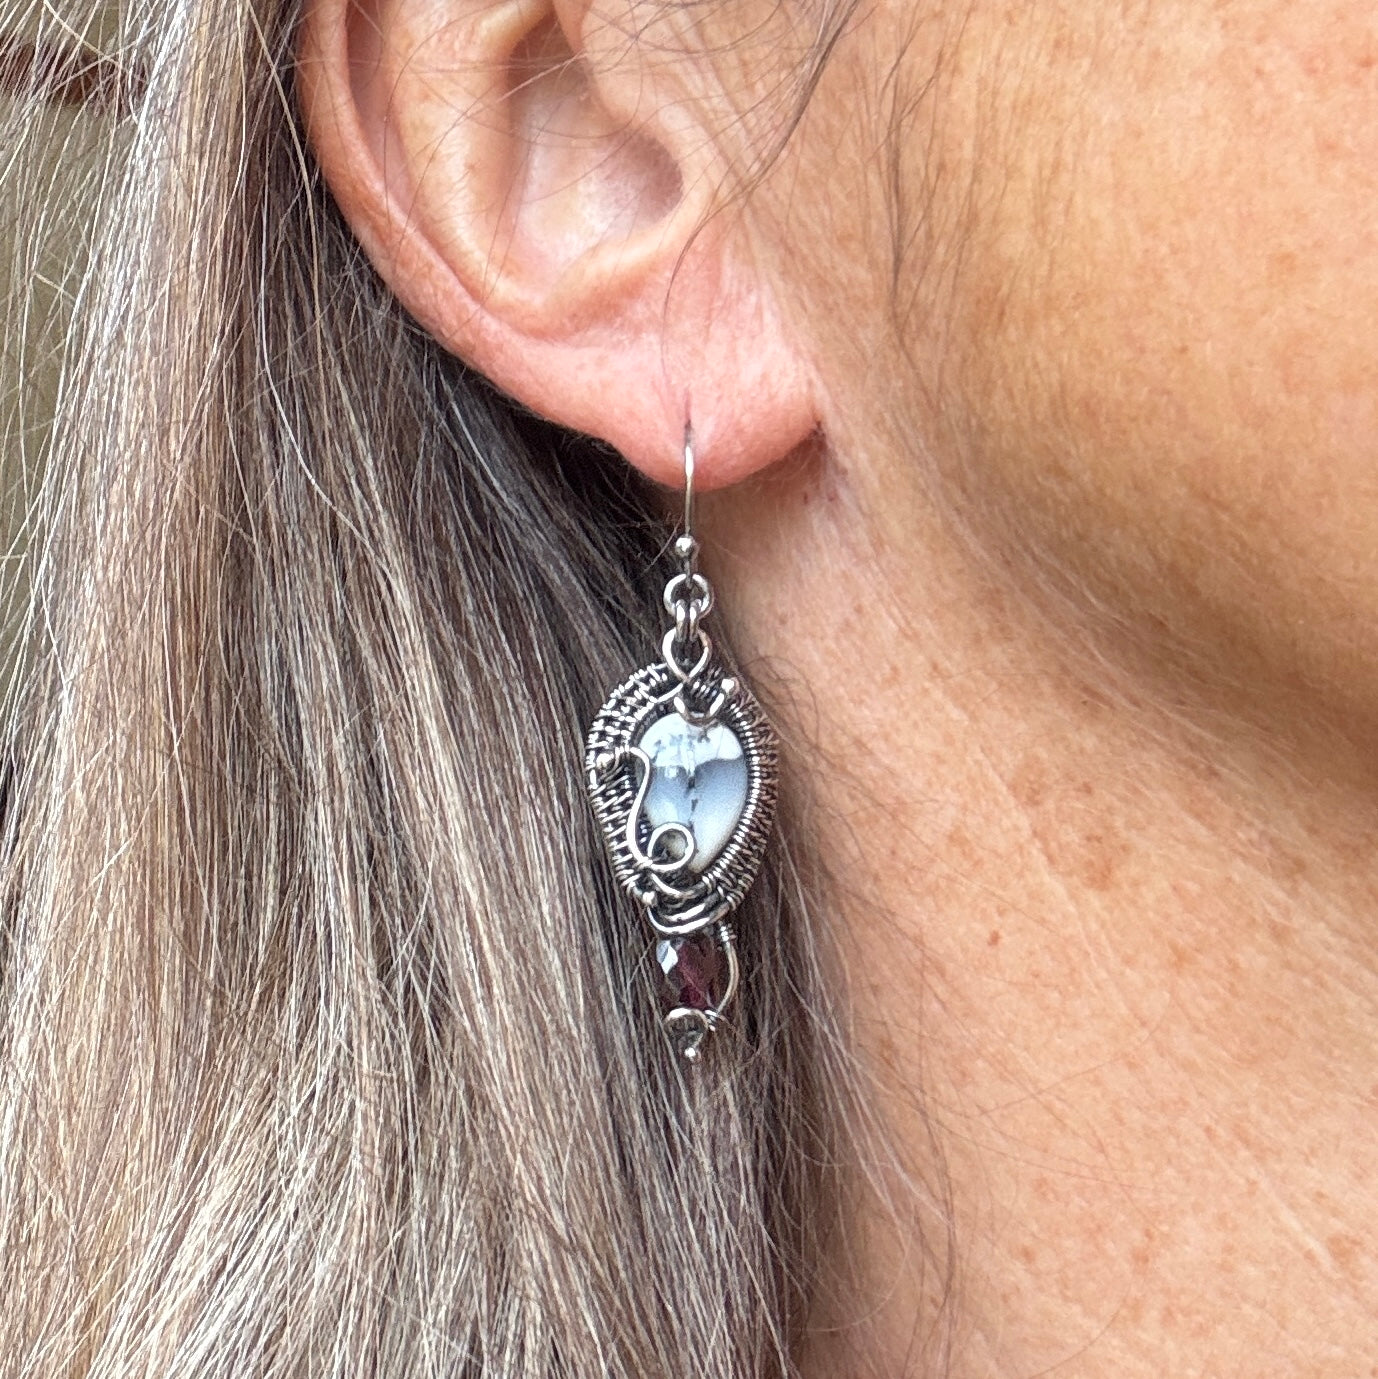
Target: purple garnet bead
(693, 971)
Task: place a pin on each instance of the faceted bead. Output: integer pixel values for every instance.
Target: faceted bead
(692, 970)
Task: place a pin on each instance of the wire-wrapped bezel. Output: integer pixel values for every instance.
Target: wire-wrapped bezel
(683, 902)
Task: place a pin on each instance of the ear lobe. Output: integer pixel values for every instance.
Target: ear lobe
(545, 210)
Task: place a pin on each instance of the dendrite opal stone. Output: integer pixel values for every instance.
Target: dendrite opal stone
(698, 778)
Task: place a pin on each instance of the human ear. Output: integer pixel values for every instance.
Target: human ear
(537, 182)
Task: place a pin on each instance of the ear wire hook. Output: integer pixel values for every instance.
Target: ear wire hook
(689, 479)
(686, 544)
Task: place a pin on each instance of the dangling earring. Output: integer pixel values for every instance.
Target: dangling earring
(681, 772)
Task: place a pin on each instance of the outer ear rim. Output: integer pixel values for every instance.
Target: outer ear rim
(333, 127)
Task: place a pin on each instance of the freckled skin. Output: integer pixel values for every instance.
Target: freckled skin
(1087, 635)
(1130, 335)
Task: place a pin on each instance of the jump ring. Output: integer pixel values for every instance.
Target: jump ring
(702, 592)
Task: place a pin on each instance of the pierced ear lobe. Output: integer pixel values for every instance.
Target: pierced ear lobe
(539, 196)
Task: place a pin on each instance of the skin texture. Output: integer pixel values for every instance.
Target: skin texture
(1070, 597)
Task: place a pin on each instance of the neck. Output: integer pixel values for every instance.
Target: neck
(1110, 955)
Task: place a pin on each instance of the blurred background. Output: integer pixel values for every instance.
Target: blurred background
(59, 103)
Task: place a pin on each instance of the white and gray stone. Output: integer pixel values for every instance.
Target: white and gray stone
(699, 779)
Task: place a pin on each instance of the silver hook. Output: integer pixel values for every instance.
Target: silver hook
(688, 478)
(686, 547)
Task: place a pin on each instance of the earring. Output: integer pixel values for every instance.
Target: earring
(681, 772)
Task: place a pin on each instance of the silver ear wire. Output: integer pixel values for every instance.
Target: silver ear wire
(689, 479)
(686, 545)
(680, 766)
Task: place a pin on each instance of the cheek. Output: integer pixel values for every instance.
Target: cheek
(1167, 327)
